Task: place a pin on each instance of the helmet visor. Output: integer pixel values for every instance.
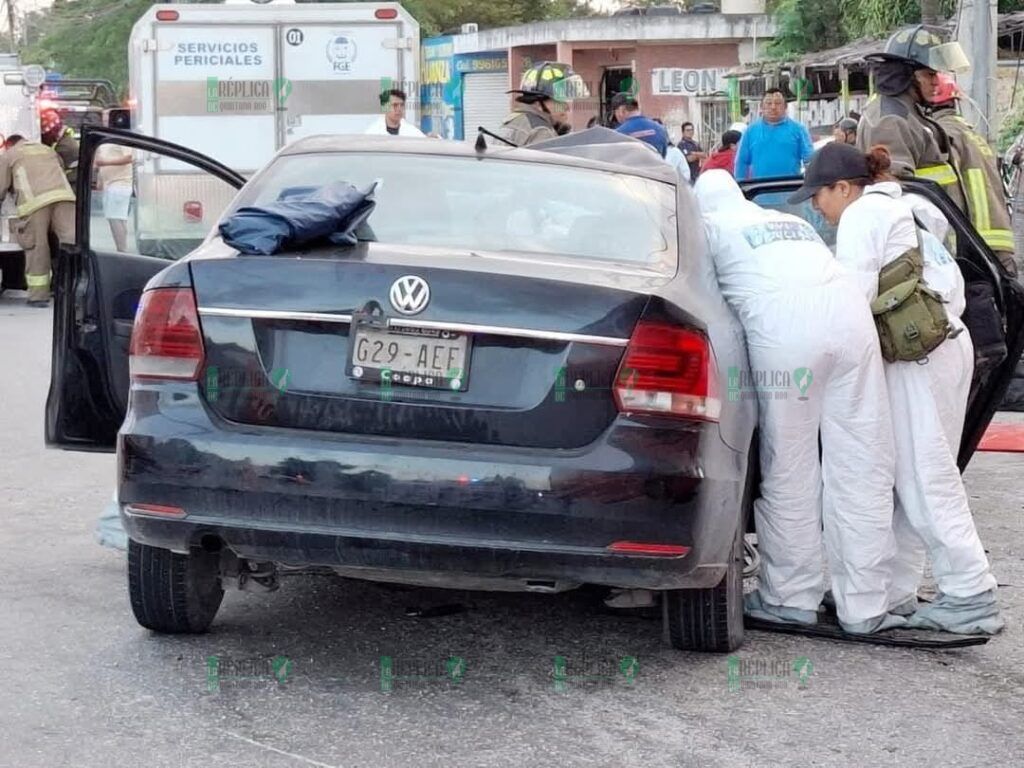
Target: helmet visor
(948, 57)
(569, 89)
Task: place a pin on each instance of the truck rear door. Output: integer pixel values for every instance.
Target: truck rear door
(216, 90)
(333, 74)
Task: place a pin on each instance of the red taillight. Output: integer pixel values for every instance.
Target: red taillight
(166, 15)
(670, 371)
(155, 510)
(654, 550)
(386, 13)
(193, 211)
(166, 340)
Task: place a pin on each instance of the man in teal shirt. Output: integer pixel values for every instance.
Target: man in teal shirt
(775, 145)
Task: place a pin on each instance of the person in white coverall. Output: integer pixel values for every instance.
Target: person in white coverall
(805, 322)
(927, 399)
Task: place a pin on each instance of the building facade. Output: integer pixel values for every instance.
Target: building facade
(674, 64)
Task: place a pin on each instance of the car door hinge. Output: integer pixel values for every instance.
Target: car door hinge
(149, 45)
(404, 43)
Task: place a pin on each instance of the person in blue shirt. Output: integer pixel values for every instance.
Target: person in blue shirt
(776, 145)
(626, 109)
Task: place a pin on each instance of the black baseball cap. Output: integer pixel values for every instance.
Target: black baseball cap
(833, 162)
(624, 100)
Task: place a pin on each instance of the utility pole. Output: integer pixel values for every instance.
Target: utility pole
(978, 27)
(929, 12)
(10, 24)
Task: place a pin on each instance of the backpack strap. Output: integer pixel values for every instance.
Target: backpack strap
(918, 225)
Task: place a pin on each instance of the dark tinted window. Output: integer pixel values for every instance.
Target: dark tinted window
(495, 205)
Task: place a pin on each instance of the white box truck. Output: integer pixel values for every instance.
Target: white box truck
(239, 81)
(19, 114)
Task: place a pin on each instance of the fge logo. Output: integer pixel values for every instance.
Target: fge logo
(341, 52)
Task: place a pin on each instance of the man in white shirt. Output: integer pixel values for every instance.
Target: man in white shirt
(113, 165)
(392, 121)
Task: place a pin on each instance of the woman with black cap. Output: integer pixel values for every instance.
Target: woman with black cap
(878, 237)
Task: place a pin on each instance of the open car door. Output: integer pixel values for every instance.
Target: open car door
(994, 364)
(98, 282)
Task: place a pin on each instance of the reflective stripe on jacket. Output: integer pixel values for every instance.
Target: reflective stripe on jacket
(35, 174)
(897, 123)
(983, 187)
(37, 281)
(917, 144)
(942, 174)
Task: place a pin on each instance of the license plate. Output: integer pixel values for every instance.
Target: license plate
(411, 357)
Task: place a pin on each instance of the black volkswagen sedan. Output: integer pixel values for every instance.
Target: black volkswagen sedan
(522, 376)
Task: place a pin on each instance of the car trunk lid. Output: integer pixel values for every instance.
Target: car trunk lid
(497, 355)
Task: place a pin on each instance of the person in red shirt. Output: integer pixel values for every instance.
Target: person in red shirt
(725, 157)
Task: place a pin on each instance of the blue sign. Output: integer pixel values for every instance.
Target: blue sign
(437, 97)
(487, 61)
(442, 71)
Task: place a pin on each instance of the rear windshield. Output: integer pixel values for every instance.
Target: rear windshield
(493, 205)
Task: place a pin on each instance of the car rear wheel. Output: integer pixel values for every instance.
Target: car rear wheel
(709, 620)
(173, 593)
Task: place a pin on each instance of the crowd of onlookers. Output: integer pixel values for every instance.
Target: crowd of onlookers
(773, 145)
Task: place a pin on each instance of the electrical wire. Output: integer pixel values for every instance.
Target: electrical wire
(978, 110)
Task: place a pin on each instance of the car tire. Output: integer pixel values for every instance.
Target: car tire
(708, 620)
(711, 620)
(172, 593)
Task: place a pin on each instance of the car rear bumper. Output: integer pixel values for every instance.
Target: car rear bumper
(355, 502)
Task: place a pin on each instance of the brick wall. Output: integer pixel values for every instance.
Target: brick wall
(590, 59)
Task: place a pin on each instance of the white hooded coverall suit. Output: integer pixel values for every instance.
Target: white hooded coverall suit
(805, 319)
(928, 402)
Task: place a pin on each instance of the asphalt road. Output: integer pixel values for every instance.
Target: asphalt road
(83, 685)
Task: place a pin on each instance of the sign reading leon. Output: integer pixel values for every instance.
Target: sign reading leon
(668, 81)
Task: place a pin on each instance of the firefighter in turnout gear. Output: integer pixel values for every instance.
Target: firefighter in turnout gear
(975, 164)
(45, 203)
(542, 102)
(63, 141)
(898, 119)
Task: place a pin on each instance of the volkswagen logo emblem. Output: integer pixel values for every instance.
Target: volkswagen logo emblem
(410, 294)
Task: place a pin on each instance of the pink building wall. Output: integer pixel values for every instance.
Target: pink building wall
(589, 60)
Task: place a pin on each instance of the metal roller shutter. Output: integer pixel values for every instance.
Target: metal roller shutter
(484, 102)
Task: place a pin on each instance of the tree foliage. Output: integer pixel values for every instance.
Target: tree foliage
(817, 25)
(441, 16)
(89, 38)
(807, 25)
(86, 38)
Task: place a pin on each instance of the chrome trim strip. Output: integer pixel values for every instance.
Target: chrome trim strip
(275, 314)
(495, 330)
(499, 330)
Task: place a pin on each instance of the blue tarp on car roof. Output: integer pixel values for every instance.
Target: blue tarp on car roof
(332, 213)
